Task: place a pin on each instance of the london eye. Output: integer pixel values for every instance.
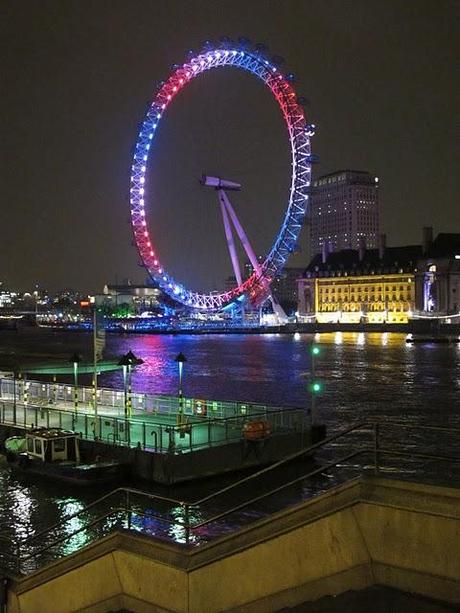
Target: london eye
(255, 61)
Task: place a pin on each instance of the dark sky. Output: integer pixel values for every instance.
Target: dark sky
(382, 82)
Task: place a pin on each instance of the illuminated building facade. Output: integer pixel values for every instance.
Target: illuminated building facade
(438, 276)
(344, 211)
(125, 299)
(384, 285)
(360, 286)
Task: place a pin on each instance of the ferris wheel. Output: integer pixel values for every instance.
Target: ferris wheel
(255, 61)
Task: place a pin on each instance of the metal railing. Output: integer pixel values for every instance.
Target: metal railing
(153, 424)
(124, 512)
(155, 432)
(53, 394)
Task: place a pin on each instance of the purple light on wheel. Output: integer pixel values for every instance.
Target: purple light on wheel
(299, 133)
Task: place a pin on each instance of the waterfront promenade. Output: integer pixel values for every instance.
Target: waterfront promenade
(152, 423)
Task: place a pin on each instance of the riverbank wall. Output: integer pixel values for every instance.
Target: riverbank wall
(428, 327)
(368, 531)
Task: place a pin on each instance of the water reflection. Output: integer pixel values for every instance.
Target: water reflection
(76, 540)
(22, 507)
(364, 376)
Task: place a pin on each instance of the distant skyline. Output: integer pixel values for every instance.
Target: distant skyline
(381, 83)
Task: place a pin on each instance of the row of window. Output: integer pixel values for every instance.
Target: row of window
(370, 299)
(376, 308)
(378, 287)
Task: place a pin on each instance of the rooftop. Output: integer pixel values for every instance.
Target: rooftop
(394, 258)
(349, 170)
(51, 433)
(445, 245)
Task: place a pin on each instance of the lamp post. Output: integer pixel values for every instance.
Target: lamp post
(75, 359)
(16, 369)
(127, 362)
(15, 374)
(180, 359)
(315, 386)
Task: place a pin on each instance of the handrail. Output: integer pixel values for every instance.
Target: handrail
(414, 454)
(185, 523)
(322, 468)
(188, 527)
(277, 489)
(200, 501)
(73, 516)
(285, 460)
(140, 421)
(182, 503)
(124, 490)
(97, 520)
(402, 424)
(158, 397)
(68, 536)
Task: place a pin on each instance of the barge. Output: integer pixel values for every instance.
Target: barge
(55, 453)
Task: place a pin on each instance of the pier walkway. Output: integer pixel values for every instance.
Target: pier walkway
(152, 422)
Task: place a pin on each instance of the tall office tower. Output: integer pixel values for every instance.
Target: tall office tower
(344, 211)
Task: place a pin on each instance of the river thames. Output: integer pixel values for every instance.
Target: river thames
(364, 376)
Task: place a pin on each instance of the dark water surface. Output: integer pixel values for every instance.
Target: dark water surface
(365, 376)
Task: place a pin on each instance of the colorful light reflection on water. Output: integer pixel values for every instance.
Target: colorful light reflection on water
(364, 376)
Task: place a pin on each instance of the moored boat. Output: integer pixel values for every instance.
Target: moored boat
(55, 453)
(427, 338)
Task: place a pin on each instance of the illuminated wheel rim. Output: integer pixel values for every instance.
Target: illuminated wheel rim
(299, 132)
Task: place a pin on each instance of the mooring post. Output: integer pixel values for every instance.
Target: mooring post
(18, 558)
(128, 509)
(187, 522)
(376, 449)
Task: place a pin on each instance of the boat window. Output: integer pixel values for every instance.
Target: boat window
(38, 446)
(59, 444)
(30, 445)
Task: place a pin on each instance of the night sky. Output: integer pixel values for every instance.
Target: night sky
(381, 79)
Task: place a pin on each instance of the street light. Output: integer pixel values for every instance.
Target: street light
(75, 359)
(16, 368)
(315, 386)
(127, 362)
(180, 359)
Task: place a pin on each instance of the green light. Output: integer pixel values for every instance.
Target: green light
(315, 350)
(316, 387)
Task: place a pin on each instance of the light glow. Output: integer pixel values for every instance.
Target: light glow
(256, 286)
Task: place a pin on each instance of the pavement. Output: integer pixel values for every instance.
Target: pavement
(374, 599)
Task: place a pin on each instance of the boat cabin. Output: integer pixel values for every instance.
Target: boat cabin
(52, 445)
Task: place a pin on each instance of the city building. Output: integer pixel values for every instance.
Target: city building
(360, 285)
(344, 208)
(230, 283)
(384, 285)
(438, 276)
(126, 299)
(284, 288)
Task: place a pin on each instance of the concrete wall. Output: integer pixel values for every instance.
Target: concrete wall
(364, 532)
